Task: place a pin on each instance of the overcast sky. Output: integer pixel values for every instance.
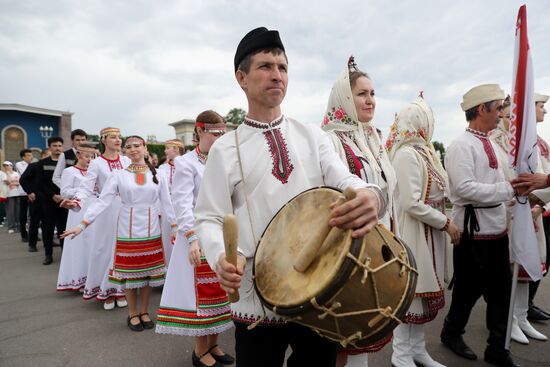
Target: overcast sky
(140, 65)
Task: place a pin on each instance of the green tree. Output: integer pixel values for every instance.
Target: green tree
(438, 146)
(94, 138)
(156, 148)
(235, 116)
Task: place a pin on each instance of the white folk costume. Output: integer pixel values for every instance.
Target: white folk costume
(76, 251)
(479, 192)
(168, 169)
(420, 197)
(103, 233)
(279, 160)
(358, 145)
(500, 136)
(192, 302)
(139, 256)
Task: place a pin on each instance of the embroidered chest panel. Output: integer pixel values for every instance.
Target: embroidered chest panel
(282, 167)
(113, 164)
(487, 147)
(543, 147)
(354, 164)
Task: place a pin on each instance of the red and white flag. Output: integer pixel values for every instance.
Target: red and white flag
(523, 152)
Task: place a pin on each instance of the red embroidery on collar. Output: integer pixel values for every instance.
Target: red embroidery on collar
(82, 170)
(263, 126)
(282, 167)
(543, 147)
(114, 164)
(487, 146)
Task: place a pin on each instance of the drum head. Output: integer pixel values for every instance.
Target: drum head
(277, 282)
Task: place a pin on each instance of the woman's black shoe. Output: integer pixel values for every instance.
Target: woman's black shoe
(223, 359)
(535, 314)
(146, 324)
(137, 327)
(197, 361)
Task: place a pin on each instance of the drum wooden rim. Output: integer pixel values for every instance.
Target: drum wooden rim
(348, 265)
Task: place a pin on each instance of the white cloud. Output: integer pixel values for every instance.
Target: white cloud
(143, 64)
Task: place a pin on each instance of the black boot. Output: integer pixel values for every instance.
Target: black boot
(536, 314)
(457, 345)
(499, 357)
(47, 260)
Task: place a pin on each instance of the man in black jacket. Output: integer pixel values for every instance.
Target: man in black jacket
(49, 198)
(29, 184)
(68, 157)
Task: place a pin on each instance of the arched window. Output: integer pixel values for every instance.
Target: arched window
(14, 139)
(36, 153)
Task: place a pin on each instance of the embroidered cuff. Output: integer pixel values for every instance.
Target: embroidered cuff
(446, 226)
(191, 236)
(83, 225)
(535, 200)
(381, 202)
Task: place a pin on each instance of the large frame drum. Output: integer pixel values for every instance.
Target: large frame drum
(354, 292)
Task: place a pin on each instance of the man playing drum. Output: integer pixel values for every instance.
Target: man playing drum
(252, 172)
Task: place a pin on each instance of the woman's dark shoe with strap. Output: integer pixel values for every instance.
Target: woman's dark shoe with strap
(146, 324)
(225, 359)
(134, 327)
(197, 360)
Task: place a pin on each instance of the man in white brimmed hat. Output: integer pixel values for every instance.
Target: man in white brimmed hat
(479, 191)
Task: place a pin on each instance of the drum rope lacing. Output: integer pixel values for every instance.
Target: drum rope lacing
(383, 313)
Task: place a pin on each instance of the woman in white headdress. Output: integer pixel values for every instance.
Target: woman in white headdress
(423, 225)
(348, 122)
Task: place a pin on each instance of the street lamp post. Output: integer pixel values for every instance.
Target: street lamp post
(46, 132)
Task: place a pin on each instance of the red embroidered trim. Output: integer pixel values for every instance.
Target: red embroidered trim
(487, 237)
(282, 167)
(81, 170)
(263, 126)
(354, 164)
(369, 349)
(488, 147)
(433, 305)
(172, 169)
(114, 164)
(250, 319)
(209, 293)
(543, 147)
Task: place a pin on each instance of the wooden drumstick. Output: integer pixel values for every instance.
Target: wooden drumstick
(311, 249)
(230, 238)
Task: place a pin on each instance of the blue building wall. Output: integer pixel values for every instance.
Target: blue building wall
(30, 122)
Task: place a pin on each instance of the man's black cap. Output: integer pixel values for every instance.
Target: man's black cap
(257, 39)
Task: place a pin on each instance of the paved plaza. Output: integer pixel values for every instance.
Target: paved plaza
(42, 327)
